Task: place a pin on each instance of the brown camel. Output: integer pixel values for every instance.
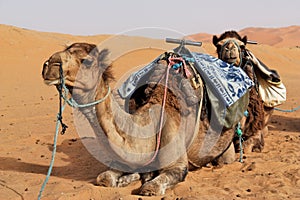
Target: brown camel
(231, 48)
(130, 140)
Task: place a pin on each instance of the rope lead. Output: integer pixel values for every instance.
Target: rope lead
(59, 115)
(292, 110)
(63, 100)
(239, 133)
(58, 123)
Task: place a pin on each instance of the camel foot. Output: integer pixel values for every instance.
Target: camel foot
(127, 179)
(108, 178)
(152, 188)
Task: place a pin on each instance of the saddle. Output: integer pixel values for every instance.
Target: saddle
(226, 86)
(268, 82)
(183, 81)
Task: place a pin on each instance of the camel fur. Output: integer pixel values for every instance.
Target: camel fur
(231, 48)
(130, 139)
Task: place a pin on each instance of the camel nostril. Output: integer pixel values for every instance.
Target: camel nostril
(45, 69)
(46, 63)
(51, 70)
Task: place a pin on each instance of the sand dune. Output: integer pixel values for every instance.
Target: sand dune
(28, 110)
(276, 37)
(284, 37)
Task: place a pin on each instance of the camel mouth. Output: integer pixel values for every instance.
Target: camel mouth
(230, 60)
(57, 82)
(52, 82)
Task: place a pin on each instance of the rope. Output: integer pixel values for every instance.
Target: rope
(239, 132)
(172, 62)
(161, 115)
(71, 102)
(58, 123)
(175, 66)
(63, 93)
(283, 110)
(60, 91)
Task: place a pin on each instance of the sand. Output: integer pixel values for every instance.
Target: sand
(28, 112)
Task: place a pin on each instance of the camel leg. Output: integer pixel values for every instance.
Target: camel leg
(127, 179)
(248, 146)
(268, 113)
(167, 178)
(227, 157)
(258, 138)
(259, 142)
(109, 178)
(148, 176)
(254, 143)
(174, 153)
(114, 178)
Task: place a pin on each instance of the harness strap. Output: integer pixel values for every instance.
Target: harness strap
(188, 74)
(71, 102)
(172, 61)
(161, 115)
(197, 125)
(63, 94)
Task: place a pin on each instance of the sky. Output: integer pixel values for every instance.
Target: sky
(93, 17)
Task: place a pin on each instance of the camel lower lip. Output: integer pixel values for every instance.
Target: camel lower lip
(51, 82)
(230, 60)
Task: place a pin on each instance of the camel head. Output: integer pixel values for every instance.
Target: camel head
(230, 46)
(81, 64)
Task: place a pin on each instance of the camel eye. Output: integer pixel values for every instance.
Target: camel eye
(87, 62)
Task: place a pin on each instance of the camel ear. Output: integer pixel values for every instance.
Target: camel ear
(103, 57)
(245, 39)
(215, 40)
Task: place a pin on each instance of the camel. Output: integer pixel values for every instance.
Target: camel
(131, 140)
(231, 48)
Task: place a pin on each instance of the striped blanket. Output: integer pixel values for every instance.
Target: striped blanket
(227, 82)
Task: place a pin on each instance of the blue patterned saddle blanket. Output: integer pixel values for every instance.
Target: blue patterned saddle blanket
(227, 82)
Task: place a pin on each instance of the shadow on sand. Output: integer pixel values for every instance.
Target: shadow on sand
(81, 164)
(284, 123)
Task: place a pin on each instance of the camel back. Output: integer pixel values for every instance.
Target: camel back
(226, 85)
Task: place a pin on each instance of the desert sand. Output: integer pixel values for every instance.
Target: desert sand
(28, 111)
